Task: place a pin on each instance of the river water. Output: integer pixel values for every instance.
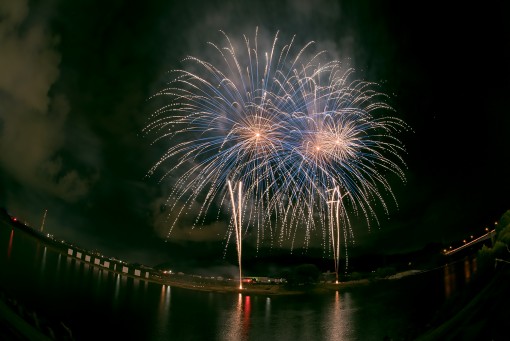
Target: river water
(95, 304)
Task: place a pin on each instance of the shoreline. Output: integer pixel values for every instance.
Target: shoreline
(264, 289)
(277, 289)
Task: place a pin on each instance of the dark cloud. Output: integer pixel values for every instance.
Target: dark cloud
(33, 120)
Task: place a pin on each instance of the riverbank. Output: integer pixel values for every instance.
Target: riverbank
(275, 289)
(266, 289)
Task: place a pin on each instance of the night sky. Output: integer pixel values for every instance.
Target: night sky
(76, 78)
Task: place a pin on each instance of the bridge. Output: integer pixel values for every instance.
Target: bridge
(488, 235)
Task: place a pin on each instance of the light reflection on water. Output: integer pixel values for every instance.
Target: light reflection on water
(163, 314)
(117, 289)
(59, 265)
(268, 309)
(246, 318)
(9, 248)
(457, 274)
(79, 291)
(43, 260)
(337, 325)
(233, 325)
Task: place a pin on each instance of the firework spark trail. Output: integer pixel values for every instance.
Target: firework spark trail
(239, 133)
(287, 127)
(338, 138)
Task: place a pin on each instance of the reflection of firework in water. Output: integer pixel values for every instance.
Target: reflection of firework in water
(291, 129)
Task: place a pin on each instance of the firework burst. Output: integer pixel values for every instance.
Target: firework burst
(290, 129)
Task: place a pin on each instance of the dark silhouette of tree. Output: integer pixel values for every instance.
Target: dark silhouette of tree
(307, 274)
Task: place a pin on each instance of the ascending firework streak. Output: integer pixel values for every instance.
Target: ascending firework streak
(335, 212)
(287, 127)
(237, 213)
